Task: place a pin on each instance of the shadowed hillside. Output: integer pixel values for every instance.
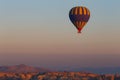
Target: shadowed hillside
(22, 69)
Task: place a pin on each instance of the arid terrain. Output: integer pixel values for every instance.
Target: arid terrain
(58, 76)
(24, 72)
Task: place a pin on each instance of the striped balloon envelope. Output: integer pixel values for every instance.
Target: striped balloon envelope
(79, 16)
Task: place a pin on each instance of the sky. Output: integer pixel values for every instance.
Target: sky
(39, 33)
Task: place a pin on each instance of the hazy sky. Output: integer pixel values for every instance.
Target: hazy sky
(39, 33)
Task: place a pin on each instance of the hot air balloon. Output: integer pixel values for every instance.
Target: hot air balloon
(79, 16)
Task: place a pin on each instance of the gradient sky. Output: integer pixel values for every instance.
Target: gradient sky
(39, 33)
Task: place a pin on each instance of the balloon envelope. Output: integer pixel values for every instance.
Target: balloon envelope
(79, 16)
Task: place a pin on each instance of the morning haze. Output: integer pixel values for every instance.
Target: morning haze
(39, 33)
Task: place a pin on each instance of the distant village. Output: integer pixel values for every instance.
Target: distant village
(57, 76)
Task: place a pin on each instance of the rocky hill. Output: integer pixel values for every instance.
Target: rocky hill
(22, 69)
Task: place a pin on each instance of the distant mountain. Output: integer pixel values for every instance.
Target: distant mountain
(105, 70)
(102, 70)
(22, 69)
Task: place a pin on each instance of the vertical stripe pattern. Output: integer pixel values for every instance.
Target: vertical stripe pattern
(79, 16)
